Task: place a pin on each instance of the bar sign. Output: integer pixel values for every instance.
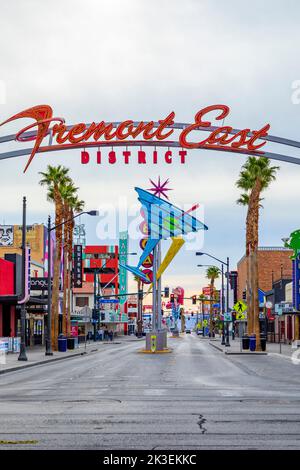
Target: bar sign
(77, 270)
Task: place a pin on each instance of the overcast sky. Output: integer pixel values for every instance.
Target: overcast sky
(134, 59)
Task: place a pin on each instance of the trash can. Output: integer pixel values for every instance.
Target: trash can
(71, 343)
(245, 341)
(252, 341)
(263, 342)
(62, 343)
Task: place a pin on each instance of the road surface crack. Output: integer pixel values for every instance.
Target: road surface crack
(201, 423)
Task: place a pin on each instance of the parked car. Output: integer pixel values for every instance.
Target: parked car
(188, 330)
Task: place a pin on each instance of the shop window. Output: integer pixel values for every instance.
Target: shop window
(82, 301)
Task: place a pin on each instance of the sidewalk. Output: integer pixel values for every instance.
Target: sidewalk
(276, 349)
(36, 356)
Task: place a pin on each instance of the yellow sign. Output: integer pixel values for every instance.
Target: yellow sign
(153, 343)
(240, 306)
(240, 316)
(205, 322)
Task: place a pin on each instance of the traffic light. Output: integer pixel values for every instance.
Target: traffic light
(172, 298)
(194, 299)
(244, 294)
(166, 292)
(95, 314)
(233, 279)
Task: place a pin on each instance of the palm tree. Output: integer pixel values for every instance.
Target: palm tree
(54, 179)
(202, 299)
(68, 193)
(212, 273)
(256, 176)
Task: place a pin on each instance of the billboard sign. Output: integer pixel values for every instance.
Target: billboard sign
(77, 269)
(6, 235)
(123, 250)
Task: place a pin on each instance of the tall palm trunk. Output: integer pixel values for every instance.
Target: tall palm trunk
(70, 227)
(249, 277)
(65, 273)
(254, 216)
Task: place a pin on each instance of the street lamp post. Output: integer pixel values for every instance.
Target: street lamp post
(49, 230)
(48, 339)
(22, 355)
(223, 307)
(223, 263)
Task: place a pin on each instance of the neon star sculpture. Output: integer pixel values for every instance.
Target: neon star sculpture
(159, 189)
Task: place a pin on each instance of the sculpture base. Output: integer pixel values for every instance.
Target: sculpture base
(156, 341)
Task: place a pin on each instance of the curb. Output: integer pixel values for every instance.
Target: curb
(216, 347)
(238, 353)
(39, 363)
(162, 351)
(283, 356)
(253, 353)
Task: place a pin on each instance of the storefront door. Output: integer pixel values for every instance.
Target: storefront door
(289, 332)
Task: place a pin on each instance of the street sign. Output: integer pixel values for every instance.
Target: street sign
(240, 306)
(153, 343)
(227, 316)
(77, 267)
(108, 301)
(240, 316)
(205, 322)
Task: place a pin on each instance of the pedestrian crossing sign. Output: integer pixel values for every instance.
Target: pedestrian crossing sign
(240, 306)
(240, 316)
(205, 322)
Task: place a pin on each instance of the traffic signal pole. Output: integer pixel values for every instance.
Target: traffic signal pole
(223, 307)
(158, 290)
(227, 343)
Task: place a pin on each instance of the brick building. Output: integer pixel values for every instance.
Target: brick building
(273, 263)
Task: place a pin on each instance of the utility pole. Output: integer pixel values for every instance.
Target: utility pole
(158, 293)
(95, 304)
(140, 309)
(154, 294)
(223, 307)
(22, 355)
(227, 343)
(48, 339)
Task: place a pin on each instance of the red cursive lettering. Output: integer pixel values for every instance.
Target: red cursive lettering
(82, 135)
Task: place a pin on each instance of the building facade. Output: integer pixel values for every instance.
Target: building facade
(100, 278)
(11, 282)
(273, 263)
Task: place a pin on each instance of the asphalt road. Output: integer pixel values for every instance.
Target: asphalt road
(192, 398)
